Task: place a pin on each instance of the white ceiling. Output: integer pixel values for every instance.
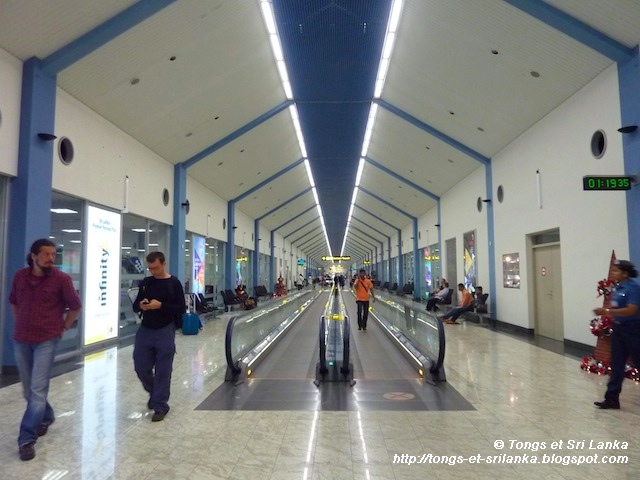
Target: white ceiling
(444, 73)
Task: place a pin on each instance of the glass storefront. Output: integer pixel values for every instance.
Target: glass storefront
(244, 268)
(67, 215)
(263, 270)
(139, 237)
(214, 269)
(432, 267)
(407, 268)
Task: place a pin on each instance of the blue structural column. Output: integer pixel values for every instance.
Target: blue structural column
(629, 85)
(230, 253)
(491, 249)
(417, 282)
(272, 261)
(29, 216)
(256, 253)
(399, 262)
(179, 228)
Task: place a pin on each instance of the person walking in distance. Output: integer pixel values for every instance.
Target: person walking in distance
(363, 288)
(39, 296)
(161, 300)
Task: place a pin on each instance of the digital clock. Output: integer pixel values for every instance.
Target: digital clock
(606, 182)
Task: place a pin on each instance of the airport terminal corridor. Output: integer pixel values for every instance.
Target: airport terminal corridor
(517, 391)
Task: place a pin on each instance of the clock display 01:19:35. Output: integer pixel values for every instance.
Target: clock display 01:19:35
(606, 183)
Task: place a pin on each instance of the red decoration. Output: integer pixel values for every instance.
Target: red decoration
(605, 287)
(602, 326)
(600, 362)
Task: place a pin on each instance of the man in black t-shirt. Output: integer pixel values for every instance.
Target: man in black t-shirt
(161, 300)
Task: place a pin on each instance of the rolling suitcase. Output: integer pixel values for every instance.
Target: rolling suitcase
(190, 319)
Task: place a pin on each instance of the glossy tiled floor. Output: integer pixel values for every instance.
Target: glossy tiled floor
(521, 393)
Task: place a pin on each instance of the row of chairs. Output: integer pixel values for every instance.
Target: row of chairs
(261, 291)
(230, 299)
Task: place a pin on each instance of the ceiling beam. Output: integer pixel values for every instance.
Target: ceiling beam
(574, 28)
(238, 133)
(102, 34)
(433, 131)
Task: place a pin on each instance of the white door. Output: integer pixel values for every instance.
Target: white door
(548, 292)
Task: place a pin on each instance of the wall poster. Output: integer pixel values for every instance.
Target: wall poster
(470, 261)
(102, 274)
(197, 278)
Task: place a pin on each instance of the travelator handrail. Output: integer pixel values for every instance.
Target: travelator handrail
(323, 345)
(421, 334)
(334, 339)
(259, 329)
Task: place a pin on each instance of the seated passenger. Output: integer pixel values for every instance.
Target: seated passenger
(437, 298)
(465, 305)
(280, 289)
(480, 302)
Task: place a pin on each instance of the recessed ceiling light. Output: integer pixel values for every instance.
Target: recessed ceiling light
(451, 113)
(135, 81)
(242, 151)
(534, 74)
(449, 160)
(481, 129)
(188, 134)
(220, 164)
(71, 230)
(494, 51)
(62, 210)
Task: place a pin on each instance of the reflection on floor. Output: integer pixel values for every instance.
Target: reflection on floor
(365, 395)
(523, 395)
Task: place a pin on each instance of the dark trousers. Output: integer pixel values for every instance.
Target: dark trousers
(363, 313)
(623, 345)
(153, 361)
(456, 312)
(432, 302)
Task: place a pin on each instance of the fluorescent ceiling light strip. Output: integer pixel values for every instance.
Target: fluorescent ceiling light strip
(354, 196)
(388, 45)
(307, 165)
(282, 69)
(269, 19)
(276, 47)
(394, 18)
(359, 174)
(315, 196)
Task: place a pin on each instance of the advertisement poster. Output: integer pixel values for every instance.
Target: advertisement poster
(428, 280)
(470, 262)
(197, 279)
(102, 274)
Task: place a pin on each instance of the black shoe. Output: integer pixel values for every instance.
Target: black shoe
(359, 328)
(607, 404)
(27, 451)
(158, 416)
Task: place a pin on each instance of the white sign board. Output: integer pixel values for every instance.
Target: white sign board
(102, 275)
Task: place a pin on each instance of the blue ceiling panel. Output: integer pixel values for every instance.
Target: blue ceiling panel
(332, 49)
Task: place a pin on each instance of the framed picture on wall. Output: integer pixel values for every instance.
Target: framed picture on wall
(511, 270)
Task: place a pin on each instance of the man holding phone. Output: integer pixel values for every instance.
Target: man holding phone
(161, 301)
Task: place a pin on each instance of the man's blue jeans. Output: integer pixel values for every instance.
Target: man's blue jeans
(34, 361)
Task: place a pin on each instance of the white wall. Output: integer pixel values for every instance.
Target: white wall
(11, 88)
(591, 223)
(103, 156)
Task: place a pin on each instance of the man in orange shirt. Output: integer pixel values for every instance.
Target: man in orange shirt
(363, 288)
(465, 305)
